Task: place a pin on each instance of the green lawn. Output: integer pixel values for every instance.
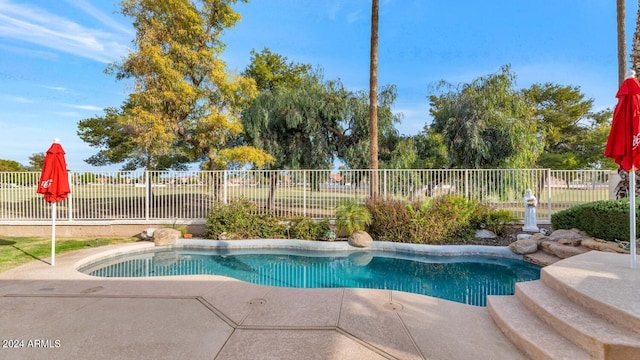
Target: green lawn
(16, 251)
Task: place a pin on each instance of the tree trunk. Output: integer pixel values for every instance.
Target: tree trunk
(622, 48)
(635, 47)
(373, 102)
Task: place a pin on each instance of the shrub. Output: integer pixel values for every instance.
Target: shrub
(389, 220)
(607, 219)
(496, 220)
(444, 219)
(305, 228)
(239, 220)
(352, 217)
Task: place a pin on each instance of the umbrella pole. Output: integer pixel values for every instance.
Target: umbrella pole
(632, 216)
(53, 234)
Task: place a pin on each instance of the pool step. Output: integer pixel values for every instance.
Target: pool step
(552, 314)
(529, 333)
(615, 299)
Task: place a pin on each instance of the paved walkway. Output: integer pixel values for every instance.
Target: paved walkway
(58, 313)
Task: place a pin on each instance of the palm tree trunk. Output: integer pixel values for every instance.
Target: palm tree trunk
(622, 48)
(635, 47)
(373, 102)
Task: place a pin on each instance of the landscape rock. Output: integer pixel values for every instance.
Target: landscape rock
(539, 237)
(602, 245)
(523, 236)
(485, 234)
(228, 236)
(562, 251)
(146, 234)
(165, 236)
(524, 247)
(360, 239)
(567, 235)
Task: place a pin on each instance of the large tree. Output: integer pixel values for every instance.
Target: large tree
(336, 119)
(270, 70)
(11, 165)
(486, 123)
(116, 143)
(424, 150)
(185, 105)
(563, 115)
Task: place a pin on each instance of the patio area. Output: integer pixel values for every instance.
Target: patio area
(58, 313)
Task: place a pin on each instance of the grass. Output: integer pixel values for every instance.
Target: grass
(16, 251)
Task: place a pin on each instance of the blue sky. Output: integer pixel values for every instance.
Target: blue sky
(53, 54)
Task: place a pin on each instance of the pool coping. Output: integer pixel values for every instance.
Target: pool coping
(376, 246)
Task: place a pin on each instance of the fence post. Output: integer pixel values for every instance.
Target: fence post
(224, 187)
(147, 193)
(70, 197)
(304, 192)
(384, 183)
(466, 184)
(549, 194)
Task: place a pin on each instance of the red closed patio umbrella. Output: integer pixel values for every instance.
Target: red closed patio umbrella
(54, 185)
(623, 144)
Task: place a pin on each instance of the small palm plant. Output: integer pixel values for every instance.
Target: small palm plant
(352, 217)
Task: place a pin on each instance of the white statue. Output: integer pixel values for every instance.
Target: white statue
(530, 203)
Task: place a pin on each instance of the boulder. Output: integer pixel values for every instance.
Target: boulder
(146, 234)
(602, 245)
(560, 250)
(165, 236)
(485, 234)
(228, 236)
(360, 239)
(523, 236)
(539, 237)
(567, 236)
(524, 247)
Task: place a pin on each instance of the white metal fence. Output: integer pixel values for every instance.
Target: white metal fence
(189, 195)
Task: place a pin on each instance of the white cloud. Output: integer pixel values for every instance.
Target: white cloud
(26, 23)
(87, 107)
(57, 88)
(100, 16)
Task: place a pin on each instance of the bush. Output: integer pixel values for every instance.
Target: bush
(305, 228)
(389, 219)
(445, 219)
(496, 220)
(239, 221)
(607, 219)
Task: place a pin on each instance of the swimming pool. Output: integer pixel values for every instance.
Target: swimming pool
(464, 279)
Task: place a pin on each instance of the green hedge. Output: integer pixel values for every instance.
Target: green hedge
(607, 219)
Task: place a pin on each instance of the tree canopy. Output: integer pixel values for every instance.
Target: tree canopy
(486, 123)
(565, 121)
(185, 105)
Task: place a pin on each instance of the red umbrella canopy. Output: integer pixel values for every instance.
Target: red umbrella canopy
(624, 138)
(54, 183)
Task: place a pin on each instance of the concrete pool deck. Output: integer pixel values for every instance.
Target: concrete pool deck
(59, 313)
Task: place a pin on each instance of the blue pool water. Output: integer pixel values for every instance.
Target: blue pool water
(465, 279)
